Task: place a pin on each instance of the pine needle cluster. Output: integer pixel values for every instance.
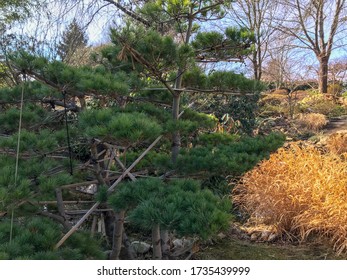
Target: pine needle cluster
(34, 239)
(232, 156)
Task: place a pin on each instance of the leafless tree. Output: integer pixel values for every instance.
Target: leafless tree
(316, 25)
(338, 70)
(257, 15)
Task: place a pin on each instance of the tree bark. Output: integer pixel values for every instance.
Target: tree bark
(117, 235)
(323, 74)
(165, 244)
(130, 250)
(176, 137)
(60, 202)
(156, 242)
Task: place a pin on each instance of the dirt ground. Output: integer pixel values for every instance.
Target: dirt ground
(233, 248)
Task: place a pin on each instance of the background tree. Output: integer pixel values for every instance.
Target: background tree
(74, 38)
(207, 47)
(316, 26)
(258, 17)
(13, 10)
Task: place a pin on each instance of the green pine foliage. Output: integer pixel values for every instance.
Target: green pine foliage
(40, 142)
(155, 162)
(233, 158)
(74, 37)
(158, 50)
(37, 176)
(77, 81)
(126, 128)
(223, 80)
(34, 239)
(180, 206)
(33, 91)
(214, 139)
(125, 99)
(160, 114)
(217, 46)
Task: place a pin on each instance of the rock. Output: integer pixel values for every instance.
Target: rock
(178, 243)
(221, 235)
(254, 236)
(273, 236)
(140, 247)
(184, 242)
(265, 235)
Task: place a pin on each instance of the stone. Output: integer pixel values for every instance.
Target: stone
(140, 247)
(265, 235)
(254, 236)
(273, 236)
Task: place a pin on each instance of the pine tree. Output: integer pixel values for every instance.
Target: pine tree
(86, 126)
(73, 38)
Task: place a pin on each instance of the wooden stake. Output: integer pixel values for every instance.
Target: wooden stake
(110, 190)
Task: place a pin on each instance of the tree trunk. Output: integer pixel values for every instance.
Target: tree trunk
(130, 250)
(323, 74)
(165, 244)
(82, 102)
(117, 235)
(60, 202)
(256, 66)
(176, 137)
(156, 242)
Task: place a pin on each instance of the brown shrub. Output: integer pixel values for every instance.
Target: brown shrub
(299, 191)
(273, 99)
(312, 121)
(337, 142)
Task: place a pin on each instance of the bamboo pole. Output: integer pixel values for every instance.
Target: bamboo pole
(110, 190)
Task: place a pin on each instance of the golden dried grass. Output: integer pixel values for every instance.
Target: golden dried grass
(299, 191)
(337, 142)
(312, 121)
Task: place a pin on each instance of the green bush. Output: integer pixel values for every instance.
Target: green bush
(34, 238)
(180, 206)
(317, 103)
(126, 128)
(233, 158)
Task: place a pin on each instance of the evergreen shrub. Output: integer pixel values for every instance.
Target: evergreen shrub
(180, 206)
(318, 103)
(34, 239)
(229, 158)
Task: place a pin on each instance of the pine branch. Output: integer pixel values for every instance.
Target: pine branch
(129, 13)
(57, 218)
(140, 59)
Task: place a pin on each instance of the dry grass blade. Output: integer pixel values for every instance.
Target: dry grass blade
(337, 142)
(300, 191)
(312, 121)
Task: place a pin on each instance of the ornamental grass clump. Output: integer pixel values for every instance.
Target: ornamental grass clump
(312, 121)
(337, 142)
(299, 191)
